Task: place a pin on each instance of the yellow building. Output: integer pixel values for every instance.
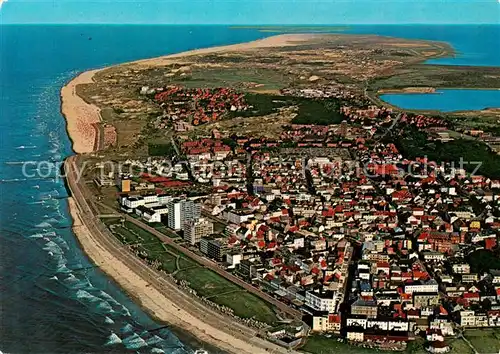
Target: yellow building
(475, 225)
(326, 323)
(125, 187)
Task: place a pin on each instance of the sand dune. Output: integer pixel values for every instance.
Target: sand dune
(80, 116)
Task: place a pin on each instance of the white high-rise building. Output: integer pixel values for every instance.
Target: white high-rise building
(181, 211)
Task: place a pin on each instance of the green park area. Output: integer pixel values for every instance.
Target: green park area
(474, 156)
(205, 282)
(485, 340)
(309, 110)
(318, 344)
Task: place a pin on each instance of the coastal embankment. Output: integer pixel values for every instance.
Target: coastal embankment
(158, 296)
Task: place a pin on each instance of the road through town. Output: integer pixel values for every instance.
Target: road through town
(155, 291)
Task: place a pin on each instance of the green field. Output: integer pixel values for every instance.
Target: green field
(161, 149)
(310, 111)
(424, 75)
(473, 154)
(246, 305)
(232, 77)
(204, 281)
(321, 345)
(484, 340)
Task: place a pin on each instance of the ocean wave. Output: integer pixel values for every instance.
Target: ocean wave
(125, 311)
(57, 157)
(43, 225)
(109, 298)
(73, 282)
(105, 307)
(26, 147)
(62, 268)
(17, 162)
(108, 320)
(86, 296)
(53, 220)
(53, 247)
(154, 340)
(127, 328)
(134, 342)
(157, 350)
(61, 242)
(45, 235)
(12, 180)
(113, 339)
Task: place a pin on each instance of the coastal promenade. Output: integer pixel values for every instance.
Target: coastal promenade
(296, 314)
(154, 290)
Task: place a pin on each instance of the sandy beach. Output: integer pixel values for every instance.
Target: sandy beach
(80, 116)
(164, 302)
(157, 303)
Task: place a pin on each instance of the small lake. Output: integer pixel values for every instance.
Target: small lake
(446, 100)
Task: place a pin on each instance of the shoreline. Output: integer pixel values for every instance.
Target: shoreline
(81, 116)
(191, 321)
(179, 321)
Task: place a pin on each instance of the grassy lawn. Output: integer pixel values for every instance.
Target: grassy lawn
(110, 221)
(204, 281)
(459, 346)
(246, 305)
(150, 244)
(484, 340)
(187, 263)
(321, 345)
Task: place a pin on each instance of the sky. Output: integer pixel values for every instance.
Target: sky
(251, 11)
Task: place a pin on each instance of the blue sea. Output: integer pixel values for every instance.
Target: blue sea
(51, 298)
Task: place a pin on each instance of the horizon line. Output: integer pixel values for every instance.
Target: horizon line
(248, 25)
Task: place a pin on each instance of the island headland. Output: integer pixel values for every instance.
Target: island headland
(242, 100)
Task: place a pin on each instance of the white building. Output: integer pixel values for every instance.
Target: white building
(154, 214)
(195, 230)
(133, 202)
(430, 286)
(322, 301)
(234, 259)
(150, 199)
(180, 211)
(238, 216)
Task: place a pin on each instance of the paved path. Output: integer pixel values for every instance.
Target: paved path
(212, 265)
(158, 280)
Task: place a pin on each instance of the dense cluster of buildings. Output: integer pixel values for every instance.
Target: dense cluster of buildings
(186, 107)
(368, 244)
